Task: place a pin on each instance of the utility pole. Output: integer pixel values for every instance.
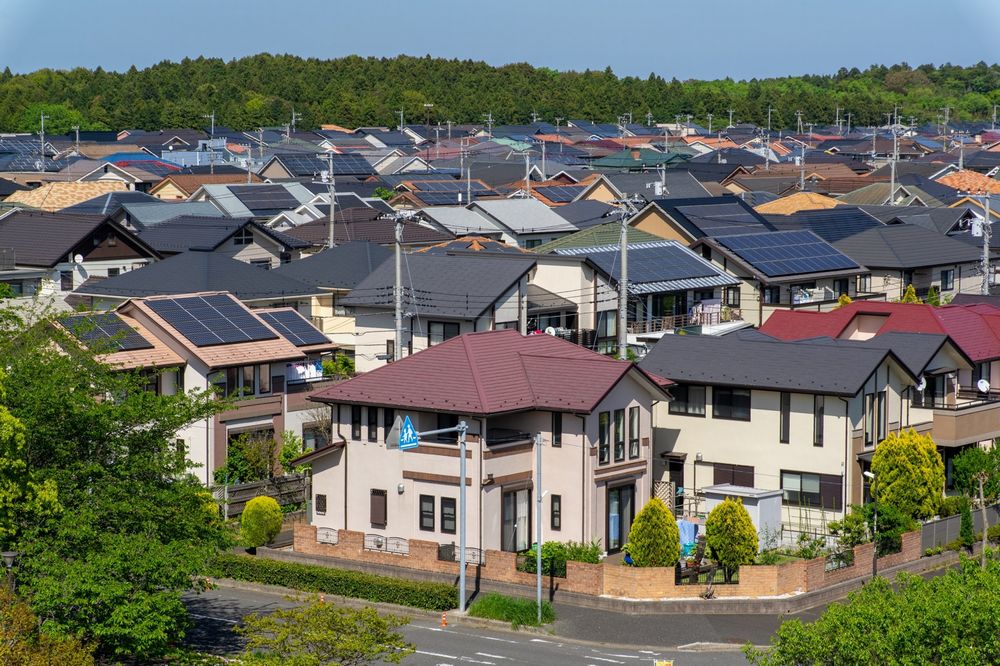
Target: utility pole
(848, 124)
(538, 525)
(437, 141)
(649, 117)
(211, 141)
(769, 109)
(534, 117)
(332, 190)
(427, 115)
(41, 135)
(397, 294)
(527, 174)
(961, 151)
(400, 112)
(837, 121)
(947, 116)
(709, 122)
(892, 168)
(871, 476)
(798, 122)
(980, 478)
(993, 125)
(249, 148)
(802, 167)
(488, 117)
(810, 126)
(545, 174)
(987, 230)
(295, 119)
(260, 142)
(558, 136)
(76, 128)
(449, 129)
(730, 117)
(623, 290)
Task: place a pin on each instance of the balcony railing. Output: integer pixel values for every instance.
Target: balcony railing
(967, 397)
(661, 324)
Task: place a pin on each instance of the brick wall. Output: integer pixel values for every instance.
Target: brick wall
(615, 580)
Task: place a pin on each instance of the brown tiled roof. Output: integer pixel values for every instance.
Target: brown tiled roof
(969, 181)
(189, 182)
(56, 196)
(159, 356)
(793, 203)
(98, 150)
(487, 373)
(217, 356)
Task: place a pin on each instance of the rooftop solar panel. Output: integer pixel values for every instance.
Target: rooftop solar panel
(560, 193)
(264, 197)
(443, 198)
(106, 329)
(217, 319)
(447, 186)
(787, 253)
(295, 327)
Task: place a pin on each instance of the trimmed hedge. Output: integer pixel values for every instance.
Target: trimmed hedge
(341, 582)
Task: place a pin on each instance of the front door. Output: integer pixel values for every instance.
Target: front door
(676, 471)
(516, 521)
(621, 511)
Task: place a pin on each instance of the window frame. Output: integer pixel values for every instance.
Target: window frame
(619, 435)
(603, 438)
(356, 422)
(950, 274)
(445, 518)
(731, 297)
(555, 513)
(784, 417)
(634, 426)
(674, 406)
(425, 517)
(374, 504)
(445, 326)
(771, 295)
(372, 423)
(868, 410)
(819, 413)
(717, 395)
(841, 282)
(243, 236)
(319, 504)
(557, 429)
(829, 486)
(388, 421)
(64, 277)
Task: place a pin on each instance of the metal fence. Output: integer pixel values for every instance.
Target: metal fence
(328, 535)
(382, 544)
(943, 531)
(449, 552)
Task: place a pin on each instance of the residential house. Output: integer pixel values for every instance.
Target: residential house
(242, 239)
(254, 200)
(524, 222)
(650, 185)
(687, 220)
(141, 215)
(801, 417)
(508, 388)
(54, 253)
(59, 195)
(178, 187)
(293, 165)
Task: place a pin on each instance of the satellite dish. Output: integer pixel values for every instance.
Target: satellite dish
(550, 331)
(983, 386)
(77, 258)
(922, 384)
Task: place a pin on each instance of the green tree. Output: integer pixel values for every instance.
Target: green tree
(260, 521)
(909, 473)
(110, 570)
(249, 457)
(933, 296)
(731, 536)
(654, 540)
(966, 531)
(292, 446)
(322, 634)
(384, 193)
(948, 619)
(23, 643)
(910, 295)
(975, 460)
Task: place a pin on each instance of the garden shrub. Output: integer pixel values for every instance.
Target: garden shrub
(654, 540)
(260, 522)
(731, 536)
(555, 555)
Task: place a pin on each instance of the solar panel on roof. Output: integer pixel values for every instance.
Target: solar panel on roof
(295, 327)
(348, 164)
(211, 320)
(442, 198)
(107, 329)
(447, 186)
(560, 193)
(264, 197)
(787, 253)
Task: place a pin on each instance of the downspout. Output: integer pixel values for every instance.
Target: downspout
(847, 439)
(760, 304)
(583, 478)
(482, 438)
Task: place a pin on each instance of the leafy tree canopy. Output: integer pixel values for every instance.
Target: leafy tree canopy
(731, 535)
(909, 473)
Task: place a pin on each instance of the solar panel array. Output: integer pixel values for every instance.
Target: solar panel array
(352, 165)
(787, 253)
(22, 146)
(264, 197)
(448, 186)
(217, 319)
(443, 198)
(107, 329)
(295, 327)
(560, 193)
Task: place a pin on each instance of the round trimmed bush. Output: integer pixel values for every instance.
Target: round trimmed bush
(260, 522)
(730, 536)
(654, 540)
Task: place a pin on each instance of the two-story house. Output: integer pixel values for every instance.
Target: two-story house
(592, 414)
(801, 417)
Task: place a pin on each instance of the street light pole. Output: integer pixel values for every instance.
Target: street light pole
(871, 475)
(538, 525)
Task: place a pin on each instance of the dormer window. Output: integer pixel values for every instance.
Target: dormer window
(243, 237)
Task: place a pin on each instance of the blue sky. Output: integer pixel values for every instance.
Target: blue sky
(741, 39)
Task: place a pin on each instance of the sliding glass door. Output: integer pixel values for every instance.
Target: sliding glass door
(516, 519)
(621, 511)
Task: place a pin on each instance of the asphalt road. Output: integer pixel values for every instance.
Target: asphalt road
(637, 639)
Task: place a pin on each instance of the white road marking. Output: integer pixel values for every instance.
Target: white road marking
(501, 640)
(435, 654)
(491, 656)
(539, 640)
(217, 619)
(611, 661)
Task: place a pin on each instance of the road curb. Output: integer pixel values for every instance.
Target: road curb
(454, 617)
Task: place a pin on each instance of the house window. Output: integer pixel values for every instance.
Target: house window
(869, 419)
(731, 403)
(785, 418)
(373, 424)
(515, 520)
(619, 435)
(948, 279)
(320, 505)
(604, 438)
(555, 509)
(355, 422)
(706, 252)
(705, 295)
(439, 331)
(243, 237)
(819, 405)
(264, 264)
(733, 297)
(907, 281)
(688, 400)
(864, 284)
(388, 421)
(737, 475)
(607, 331)
(427, 513)
(620, 513)
(66, 280)
(556, 428)
(448, 515)
(772, 295)
(840, 287)
(377, 513)
(881, 406)
(390, 350)
(114, 272)
(314, 437)
(812, 490)
(633, 432)
(532, 242)
(264, 378)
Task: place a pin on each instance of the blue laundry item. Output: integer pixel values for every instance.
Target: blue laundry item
(688, 530)
(687, 549)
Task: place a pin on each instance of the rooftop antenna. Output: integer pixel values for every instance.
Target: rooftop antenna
(41, 135)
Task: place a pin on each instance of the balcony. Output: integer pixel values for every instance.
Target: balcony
(672, 323)
(968, 417)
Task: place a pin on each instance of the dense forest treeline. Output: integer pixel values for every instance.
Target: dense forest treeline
(262, 90)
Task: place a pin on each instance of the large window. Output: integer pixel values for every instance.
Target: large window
(555, 521)
(619, 435)
(633, 432)
(869, 419)
(880, 417)
(355, 422)
(373, 424)
(556, 428)
(840, 287)
(448, 515)
(731, 403)
(813, 490)
(948, 279)
(864, 285)
(772, 295)
(688, 400)
(245, 381)
(785, 418)
(66, 280)
(604, 438)
(427, 513)
(516, 521)
(733, 297)
(439, 331)
(620, 512)
(819, 407)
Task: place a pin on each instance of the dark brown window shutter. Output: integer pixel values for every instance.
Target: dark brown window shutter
(378, 512)
(320, 504)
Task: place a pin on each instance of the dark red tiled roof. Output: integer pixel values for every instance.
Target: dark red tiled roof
(975, 329)
(488, 373)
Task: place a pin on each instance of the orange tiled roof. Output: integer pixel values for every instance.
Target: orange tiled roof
(56, 196)
(793, 203)
(969, 181)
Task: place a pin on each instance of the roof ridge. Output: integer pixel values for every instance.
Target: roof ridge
(474, 373)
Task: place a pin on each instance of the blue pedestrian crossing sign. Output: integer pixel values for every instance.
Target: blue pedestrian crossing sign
(408, 438)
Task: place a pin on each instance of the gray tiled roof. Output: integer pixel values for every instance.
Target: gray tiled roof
(340, 267)
(904, 247)
(760, 364)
